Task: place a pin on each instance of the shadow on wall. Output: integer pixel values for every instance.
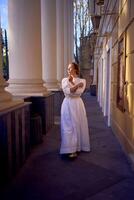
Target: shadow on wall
(93, 90)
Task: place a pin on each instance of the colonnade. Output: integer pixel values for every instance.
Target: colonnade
(40, 45)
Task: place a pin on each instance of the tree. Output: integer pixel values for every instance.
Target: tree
(5, 55)
(82, 24)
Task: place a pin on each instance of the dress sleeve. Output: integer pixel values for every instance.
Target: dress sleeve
(65, 86)
(79, 91)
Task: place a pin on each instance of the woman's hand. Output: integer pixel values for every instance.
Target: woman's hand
(70, 78)
(80, 84)
(74, 88)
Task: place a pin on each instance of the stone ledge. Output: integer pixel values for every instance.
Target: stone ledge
(7, 106)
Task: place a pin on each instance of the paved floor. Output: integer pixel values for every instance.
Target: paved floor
(103, 174)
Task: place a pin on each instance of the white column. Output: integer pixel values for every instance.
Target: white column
(25, 63)
(60, 39)
(95, 71)
(66, 61)
(49, 61)
(5, 97)
(68, 33)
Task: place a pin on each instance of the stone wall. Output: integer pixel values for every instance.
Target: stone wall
(14, 140)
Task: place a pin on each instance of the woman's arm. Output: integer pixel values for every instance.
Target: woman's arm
(65, 86)
(81, 89)
(75, 87)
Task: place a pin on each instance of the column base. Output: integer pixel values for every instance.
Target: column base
(27, 87)
(52, 85)
(5, 96)
(6, 100)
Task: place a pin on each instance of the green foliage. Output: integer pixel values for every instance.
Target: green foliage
(5, 63)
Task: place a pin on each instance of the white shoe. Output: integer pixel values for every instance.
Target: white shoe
(73, 155)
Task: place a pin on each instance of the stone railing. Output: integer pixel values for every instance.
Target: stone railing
(21, 127)
(14, 140)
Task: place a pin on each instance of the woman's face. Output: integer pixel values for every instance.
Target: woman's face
(71, 70)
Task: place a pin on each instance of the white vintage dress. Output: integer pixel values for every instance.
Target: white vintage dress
(74, 125)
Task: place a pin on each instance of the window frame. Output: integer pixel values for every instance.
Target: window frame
(121, 72)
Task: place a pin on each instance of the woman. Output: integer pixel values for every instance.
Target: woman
(74, 125)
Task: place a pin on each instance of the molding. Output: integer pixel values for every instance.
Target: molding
(28, 87)
(25, 81)
(131, 52)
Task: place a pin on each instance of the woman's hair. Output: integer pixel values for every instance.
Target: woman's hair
(76, 67)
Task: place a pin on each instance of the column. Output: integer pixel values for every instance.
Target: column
(70, 31)
(25, 63)
(60, 39)
(68, 34)
(95, 71)
(49, 55)
(5, 97)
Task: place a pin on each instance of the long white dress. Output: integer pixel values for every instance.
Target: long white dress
(74, 125)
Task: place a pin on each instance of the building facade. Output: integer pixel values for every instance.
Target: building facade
(113, 65)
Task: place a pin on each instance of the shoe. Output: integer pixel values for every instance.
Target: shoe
(72, 155)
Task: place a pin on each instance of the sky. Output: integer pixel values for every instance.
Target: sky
(3, 14)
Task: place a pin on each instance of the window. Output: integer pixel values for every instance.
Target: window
(121, 73)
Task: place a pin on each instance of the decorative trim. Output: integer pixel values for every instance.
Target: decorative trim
(131, 52)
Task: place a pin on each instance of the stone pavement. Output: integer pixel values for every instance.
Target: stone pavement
(103, 174)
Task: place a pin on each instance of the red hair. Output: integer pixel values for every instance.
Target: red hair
(76, 67)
